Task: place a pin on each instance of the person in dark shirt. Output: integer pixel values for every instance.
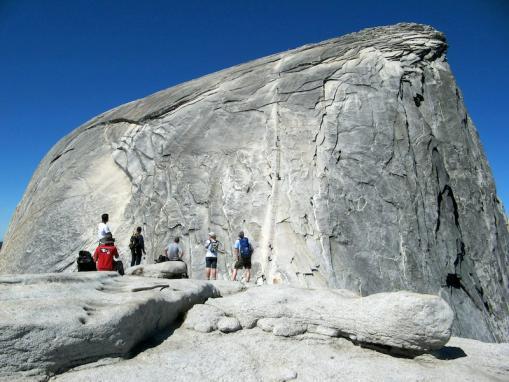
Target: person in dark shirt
(137, 246)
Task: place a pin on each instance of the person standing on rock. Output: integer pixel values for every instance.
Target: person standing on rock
(103, 229)
(104, 254)
(212, 246)
(137, 247)
(242, 250)
(174, 251)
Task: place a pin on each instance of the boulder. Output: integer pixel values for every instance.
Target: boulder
(228, 324)
(166, 270)
(406, 321)
(350, 163)
(49, 323)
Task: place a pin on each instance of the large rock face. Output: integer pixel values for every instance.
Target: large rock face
(351, 163)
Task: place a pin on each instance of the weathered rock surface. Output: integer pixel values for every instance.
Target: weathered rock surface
(125, 329)
(350, 163)
(166, 270)
(49, 323)
(401, 320)
(253, 355)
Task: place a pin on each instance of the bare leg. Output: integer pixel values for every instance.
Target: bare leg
(214, 273)
(248, 275)
(207, 273)
(234, 275)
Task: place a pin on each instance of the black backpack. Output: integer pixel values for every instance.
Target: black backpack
(161, 259)
(85, 262)
(119, 267)
(213, 246)
(134, 243)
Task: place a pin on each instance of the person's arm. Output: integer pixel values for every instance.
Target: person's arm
(181, 253)
(115, 252)
(143, 245)
(166, 252)
(236, 249)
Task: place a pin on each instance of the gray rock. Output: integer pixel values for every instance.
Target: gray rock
(288, 328)
(228, 325)
(49, 323)
(254, 356)
(324, 330)
(203, 318)
(226, 288)
(351, 163)
(166, 270)
(402, 320)
(266, 324)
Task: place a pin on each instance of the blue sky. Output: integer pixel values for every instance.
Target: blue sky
(63, 62)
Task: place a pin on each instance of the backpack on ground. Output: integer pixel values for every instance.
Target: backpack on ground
(134, 242)
(119, 267)
(161, 259)
(246, 249)
(85, 262)
(214, 247)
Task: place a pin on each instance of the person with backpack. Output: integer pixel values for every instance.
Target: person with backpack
(137, 247)
(105, 253)
(212, 246)
(242, 250)
(103, 229)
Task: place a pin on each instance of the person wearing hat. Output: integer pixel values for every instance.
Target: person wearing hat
(212, 246)
(104, 254)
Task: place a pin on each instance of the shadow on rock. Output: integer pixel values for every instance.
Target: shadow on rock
(157, 339)
(449, 353)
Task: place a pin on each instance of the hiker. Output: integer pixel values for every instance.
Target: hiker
(212, 246)
(137, 247)
(242, 250)
(104, 254)
(103, 229)
(174, 251)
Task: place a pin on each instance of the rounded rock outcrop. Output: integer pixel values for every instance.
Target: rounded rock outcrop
(351, 163)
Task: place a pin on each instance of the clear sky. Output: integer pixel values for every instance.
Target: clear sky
(63, 62)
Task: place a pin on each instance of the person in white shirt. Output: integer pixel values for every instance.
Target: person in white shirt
(102, 229)
(212, 246)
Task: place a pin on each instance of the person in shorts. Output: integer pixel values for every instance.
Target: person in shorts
(212, 246)
(242, 250)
